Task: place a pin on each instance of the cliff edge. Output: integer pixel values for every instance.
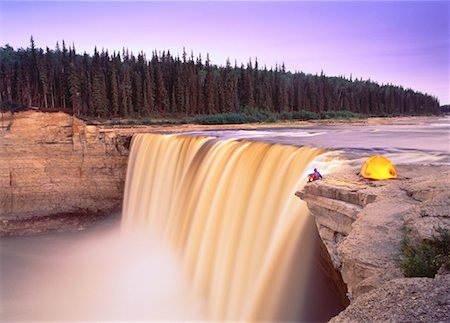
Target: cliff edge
(54, 165)
(363, 224)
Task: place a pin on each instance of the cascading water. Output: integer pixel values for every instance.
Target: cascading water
(228, 209)
(223, 208)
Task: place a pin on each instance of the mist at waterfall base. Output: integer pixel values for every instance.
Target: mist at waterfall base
(101, 275)
(94, 275)
(156, 268)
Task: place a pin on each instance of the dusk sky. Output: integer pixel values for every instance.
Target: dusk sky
(404, 42)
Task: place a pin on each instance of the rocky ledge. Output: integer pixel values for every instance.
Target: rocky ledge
(363, 223)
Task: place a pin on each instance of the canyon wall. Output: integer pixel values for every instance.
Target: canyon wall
(52, 163)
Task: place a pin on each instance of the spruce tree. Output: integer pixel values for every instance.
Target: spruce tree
(99, 99)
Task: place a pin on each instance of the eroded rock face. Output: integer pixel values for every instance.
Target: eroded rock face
(402, 300)
(363, 223)
(432, 213)
(54, 163)
(335, 207)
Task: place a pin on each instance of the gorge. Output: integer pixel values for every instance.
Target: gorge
(55, 164)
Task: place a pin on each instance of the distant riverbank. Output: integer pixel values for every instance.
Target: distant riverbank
(170, 125)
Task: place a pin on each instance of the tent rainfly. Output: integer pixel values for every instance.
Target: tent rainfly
(378, 167)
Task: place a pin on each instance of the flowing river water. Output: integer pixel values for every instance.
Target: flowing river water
(211, 230)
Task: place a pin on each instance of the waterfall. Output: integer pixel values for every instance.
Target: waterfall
(228, 209)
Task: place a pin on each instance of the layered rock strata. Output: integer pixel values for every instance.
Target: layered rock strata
(335, 208)
(363, 224)
(53, 163)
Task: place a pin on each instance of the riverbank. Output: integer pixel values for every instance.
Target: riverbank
(263, 125)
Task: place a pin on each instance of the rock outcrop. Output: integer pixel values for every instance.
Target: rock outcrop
(343, 207)
(433, 208)
(402, 300)
(363, 224)
(53, 163)
(335, 207)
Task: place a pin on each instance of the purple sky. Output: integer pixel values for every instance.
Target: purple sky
(403, 42)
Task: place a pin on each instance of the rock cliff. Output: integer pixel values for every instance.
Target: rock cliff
(363, 224)
(53, 163)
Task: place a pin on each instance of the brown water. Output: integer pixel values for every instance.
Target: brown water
(228, 209)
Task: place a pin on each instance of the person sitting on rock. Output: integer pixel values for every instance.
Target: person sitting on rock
(314, 176)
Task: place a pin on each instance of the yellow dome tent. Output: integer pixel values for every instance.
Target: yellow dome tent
(377, 167)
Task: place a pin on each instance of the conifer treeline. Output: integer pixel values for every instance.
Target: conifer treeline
(123, 85)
